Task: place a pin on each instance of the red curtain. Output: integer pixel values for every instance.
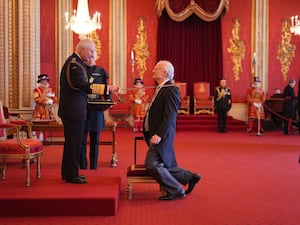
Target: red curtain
(193, 46)
(179, 5)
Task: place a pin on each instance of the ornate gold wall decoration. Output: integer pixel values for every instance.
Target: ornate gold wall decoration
(237, 49)
(141, 47)
(95, 37)
(286, 50)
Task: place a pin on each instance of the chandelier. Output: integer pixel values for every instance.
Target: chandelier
(295, 25)
(80, 22)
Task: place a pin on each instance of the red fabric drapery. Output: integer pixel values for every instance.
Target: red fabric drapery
(179, 5)
(180, 10)
(193, 46)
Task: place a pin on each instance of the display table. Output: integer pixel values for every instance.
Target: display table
(53, 126)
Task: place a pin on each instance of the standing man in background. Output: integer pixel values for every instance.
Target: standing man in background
(289, 106)
(74, 87)
(95, 121)
(159, 132)
(222, 101)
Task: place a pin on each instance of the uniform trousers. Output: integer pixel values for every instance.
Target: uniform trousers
(169, 178)
(222, 119)
(73, 130)
(94, 149)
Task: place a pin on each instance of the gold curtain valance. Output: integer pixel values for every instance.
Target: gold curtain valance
(193, 7)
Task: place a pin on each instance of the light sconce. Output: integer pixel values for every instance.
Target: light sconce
(295, 25)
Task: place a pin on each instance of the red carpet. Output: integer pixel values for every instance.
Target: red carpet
(50, 196)
(246, 180)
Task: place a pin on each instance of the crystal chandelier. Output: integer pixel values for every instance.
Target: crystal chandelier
(295, 25)
(80, 22)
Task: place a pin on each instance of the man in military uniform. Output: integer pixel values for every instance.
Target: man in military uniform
(74, 87)
(222, 101)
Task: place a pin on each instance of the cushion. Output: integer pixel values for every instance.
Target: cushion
(11, 146)
(137, 170)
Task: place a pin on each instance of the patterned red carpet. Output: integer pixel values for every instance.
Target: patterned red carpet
(246, 180)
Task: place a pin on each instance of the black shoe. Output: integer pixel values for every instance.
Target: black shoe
(196, 178)
(76, 180)
(178, 195)
(82, 177)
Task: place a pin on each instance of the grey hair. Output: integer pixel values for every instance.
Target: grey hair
(85, 43)
(292, 81)
(168, 66)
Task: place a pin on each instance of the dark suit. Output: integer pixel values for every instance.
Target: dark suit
(160, 160)
(95, 120)
(289, 106)
(73, 111)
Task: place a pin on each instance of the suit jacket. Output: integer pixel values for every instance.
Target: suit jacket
(289, 102)
(162, 121)
(95, 118)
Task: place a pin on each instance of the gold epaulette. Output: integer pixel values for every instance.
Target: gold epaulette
(98, 89)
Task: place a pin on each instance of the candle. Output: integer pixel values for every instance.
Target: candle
(132, 56)
(66, 15)
(254, 58)
(99, 17)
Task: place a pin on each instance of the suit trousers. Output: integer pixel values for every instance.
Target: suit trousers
(169, 178)
(73, 130)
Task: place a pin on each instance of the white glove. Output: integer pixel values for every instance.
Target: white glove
(49, 102)
(138, 101)
(257, 104)
(50, 94)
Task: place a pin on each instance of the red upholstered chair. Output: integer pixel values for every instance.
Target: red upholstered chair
(17, 148)
(203, 102)
(185, 100)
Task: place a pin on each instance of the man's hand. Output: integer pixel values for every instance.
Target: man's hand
(113, 88)
(155, 139)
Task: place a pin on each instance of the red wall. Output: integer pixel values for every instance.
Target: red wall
(278, 9)
(134, 10)
(241, 10)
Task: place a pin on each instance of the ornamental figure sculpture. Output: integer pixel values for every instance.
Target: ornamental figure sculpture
(237, 49)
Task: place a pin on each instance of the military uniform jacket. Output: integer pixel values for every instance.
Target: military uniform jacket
(73, 91)
(95, 118)
(222, 98)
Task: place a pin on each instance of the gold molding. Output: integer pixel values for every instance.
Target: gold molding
(237, 49)
(141, 47)
(286, 50)
(193, 7)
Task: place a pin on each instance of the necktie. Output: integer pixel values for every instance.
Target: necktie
(146, 125)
